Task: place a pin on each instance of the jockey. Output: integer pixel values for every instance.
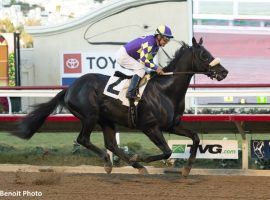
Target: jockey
(139, 53)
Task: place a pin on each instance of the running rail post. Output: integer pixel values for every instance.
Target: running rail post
(244, 145)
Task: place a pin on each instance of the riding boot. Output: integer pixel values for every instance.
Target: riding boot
(133, 87)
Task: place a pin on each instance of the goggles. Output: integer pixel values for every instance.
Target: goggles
(166, 39)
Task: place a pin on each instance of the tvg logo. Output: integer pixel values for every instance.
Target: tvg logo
(178, 148)
(211, 148)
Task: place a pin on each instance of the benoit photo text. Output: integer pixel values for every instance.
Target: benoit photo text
(18, 193)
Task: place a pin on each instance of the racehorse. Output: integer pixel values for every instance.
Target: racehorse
(160, 108)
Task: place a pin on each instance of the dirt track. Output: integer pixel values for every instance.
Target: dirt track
(128, 187)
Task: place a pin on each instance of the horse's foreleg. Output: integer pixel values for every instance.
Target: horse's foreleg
(156, 136)
(84, 140)
(179, 130)
(109, 133)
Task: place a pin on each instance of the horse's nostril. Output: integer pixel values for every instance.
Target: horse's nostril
(225, 73)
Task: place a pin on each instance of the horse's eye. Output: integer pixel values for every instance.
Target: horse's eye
(204, 56)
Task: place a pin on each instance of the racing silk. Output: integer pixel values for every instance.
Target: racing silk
(144, 50)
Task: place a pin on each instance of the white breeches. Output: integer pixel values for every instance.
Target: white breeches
(123, 59)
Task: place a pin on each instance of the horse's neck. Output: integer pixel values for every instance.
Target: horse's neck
(180, 83)
(180, 86)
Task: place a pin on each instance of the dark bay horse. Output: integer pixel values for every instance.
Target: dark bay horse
(162, 103)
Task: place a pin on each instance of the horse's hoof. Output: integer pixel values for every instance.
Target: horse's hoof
(134, 158)
(186, 171)
(108, 169)
(108, 166)
(143, 171)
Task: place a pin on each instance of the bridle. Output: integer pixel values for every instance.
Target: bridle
(211, 73)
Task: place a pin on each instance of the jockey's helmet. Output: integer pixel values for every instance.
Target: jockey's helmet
(164, 30)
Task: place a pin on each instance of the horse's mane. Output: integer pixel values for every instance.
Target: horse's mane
(178, 54)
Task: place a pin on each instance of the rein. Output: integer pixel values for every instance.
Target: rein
(208, 73)
(179, 73)
(211, 64)
(187, 72)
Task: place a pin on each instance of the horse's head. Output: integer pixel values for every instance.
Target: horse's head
(203, 61)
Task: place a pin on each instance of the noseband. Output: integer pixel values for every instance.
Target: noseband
(213, 63)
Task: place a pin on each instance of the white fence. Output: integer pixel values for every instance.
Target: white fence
(191, 100)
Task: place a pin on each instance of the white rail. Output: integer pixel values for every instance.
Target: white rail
(29, 93)
(190, 93)
(228, 92)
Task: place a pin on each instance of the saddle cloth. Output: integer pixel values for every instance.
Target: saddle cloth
(117, 87)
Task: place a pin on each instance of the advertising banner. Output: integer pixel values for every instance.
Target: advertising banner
(260, 149)
(208, 149)
(75, 64)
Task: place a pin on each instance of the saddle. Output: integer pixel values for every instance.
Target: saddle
(117, 87)
(132, 111)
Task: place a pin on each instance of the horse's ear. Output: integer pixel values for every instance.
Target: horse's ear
(194, 42)
(201, 41)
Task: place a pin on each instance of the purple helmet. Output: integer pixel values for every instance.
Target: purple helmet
(164, 31)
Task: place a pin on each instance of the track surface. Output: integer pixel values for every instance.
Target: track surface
(129, 186)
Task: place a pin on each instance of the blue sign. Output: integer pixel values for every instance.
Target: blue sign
(260, 149)
(68, 81)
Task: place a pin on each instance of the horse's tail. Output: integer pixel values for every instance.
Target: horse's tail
(33, 121)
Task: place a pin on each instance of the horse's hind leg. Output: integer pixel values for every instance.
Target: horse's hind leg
(85, 107)
(109, 133)
(84, 140)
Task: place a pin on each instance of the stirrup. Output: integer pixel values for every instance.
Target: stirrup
(132, 97)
